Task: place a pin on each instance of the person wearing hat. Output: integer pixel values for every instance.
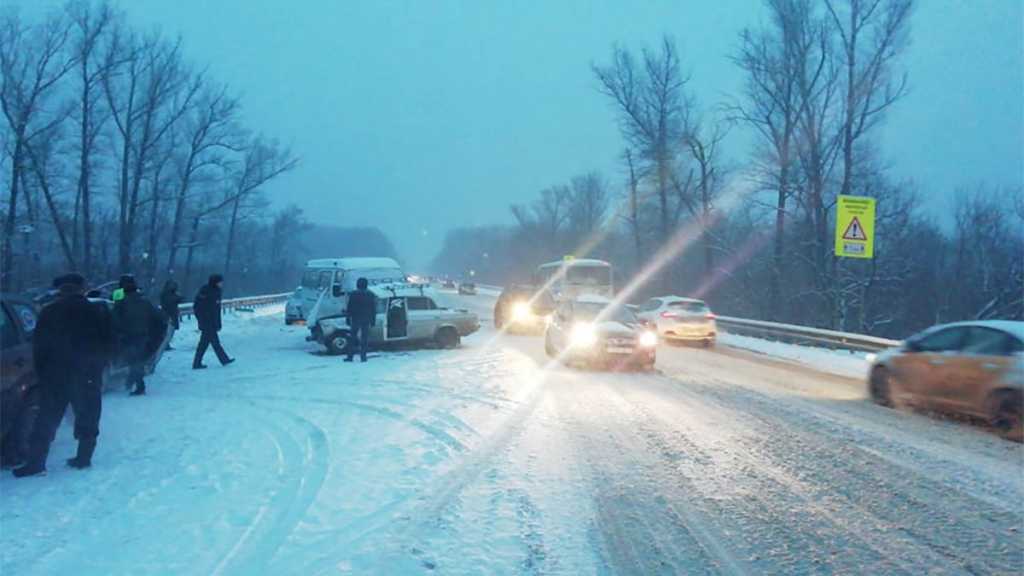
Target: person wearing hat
(206, 308)
(141, 329)
(73, 342)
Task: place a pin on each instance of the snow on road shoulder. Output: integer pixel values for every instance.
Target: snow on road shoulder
(839, 362)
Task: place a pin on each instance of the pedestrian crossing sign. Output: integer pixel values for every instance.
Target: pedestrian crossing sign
(855, 227)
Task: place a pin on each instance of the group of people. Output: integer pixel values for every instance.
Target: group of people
(75, 339)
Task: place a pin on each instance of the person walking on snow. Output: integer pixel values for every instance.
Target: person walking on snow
(170, 300)
(72, 344)
(142, 330)
(206, 308)
(361, 315)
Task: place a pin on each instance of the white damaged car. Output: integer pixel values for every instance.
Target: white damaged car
(406, 314)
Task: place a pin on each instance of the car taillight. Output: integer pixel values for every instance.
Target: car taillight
(669, 315)
(710, 316)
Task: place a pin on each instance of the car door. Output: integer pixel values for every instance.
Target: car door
(925, 365)
(16, 326)
(984, 358)
(397, 327)
(423, 317)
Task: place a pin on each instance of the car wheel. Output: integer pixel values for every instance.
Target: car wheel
(337, 344)
(448, 338)
(709, 343)
(1007, 409)
(880, 387)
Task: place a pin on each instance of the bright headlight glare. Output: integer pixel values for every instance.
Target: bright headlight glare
(648, 339)
(521, 311)
(583, 336)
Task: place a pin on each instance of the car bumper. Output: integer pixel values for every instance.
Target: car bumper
(683, 331)
(612, 358)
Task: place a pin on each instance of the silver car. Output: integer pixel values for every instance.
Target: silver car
(404, 316)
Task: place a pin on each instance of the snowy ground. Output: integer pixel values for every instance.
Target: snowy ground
(485, 461)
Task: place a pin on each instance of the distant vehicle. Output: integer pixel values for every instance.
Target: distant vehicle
(406, 314)
(327, 282)
(972, 368)
(19, 398)
(570, 279)
(293, 308)
(678, 318)
(595, 332)
(448, 284)
(520, 310)
(467, 289)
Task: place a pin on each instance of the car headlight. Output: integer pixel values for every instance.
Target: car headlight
(521, 311)
(583, 336)
(648, 339)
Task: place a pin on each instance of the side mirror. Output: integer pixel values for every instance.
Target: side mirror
(337, 290)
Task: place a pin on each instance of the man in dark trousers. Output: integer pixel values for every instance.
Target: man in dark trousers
(207, 310)
(72, 344)
(141, 329)
(361, 315)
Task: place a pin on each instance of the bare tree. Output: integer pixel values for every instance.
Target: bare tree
(703, 139)
(872, 34)
(148, 92)
(653, 109)
(209, 130)
(772, 60)
(33, 60)
(89, 28)
(262, 161)
(588, 205)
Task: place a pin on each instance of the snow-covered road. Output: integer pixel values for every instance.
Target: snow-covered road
(485, 460)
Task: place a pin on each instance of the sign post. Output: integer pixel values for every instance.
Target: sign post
(855, 227)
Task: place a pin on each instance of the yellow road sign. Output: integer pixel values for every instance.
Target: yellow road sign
(855, 227)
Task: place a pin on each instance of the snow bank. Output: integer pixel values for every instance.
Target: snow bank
(841, 362)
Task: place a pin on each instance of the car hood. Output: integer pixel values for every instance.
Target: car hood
(610, 328)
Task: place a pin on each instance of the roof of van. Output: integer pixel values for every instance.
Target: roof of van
(353, 263)
(576, 262)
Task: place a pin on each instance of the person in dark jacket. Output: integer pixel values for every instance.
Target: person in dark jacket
(361, 315)
(207, 311)
(72, 344)
(170, 300)
(141, 329)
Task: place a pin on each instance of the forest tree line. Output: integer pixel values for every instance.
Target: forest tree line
(756, 239)
(120, 155)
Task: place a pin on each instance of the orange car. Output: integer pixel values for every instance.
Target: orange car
(972, 368)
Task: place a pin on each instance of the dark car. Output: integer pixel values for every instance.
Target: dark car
(520, 309)
(596, 332)
(19, 403)
(467, 288)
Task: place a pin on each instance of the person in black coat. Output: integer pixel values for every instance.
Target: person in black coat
(141, 329)
(361, 315)
(72, 344)
(206, 308)
(170, 300)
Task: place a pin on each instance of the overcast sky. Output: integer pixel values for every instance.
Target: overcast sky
(422, 116)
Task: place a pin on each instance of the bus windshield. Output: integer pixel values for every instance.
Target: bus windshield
(589, 275)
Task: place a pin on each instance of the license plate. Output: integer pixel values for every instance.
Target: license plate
(619, 350)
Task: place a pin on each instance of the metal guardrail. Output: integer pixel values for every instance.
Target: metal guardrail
(246, 302)
(803, 335)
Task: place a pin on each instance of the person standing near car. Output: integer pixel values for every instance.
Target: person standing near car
(141, 329)
(170, 300)
(361, 315)
(206, 308)
(72, 344)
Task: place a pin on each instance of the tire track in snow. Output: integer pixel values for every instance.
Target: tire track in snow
(277, 520)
